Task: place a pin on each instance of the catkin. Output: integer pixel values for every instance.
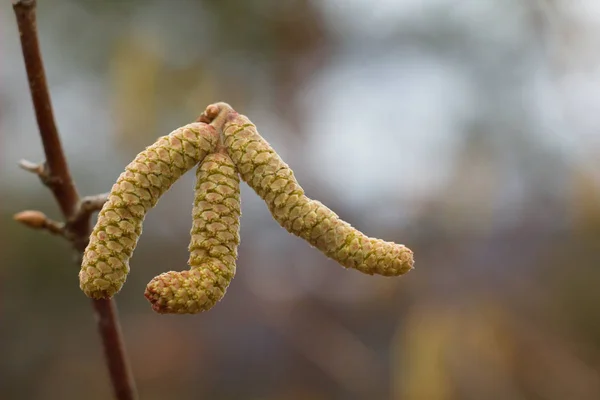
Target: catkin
(273, 180)
(106, 259)
(213, 246)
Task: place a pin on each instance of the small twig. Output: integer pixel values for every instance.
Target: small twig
(34, 168)
(58, 170)
(55, 174)
(87, 206)
(39, 220)
(106, 313)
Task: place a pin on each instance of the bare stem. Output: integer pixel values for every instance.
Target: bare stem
(55, 174)
(87, 206)
(64, 192)
(112, 340)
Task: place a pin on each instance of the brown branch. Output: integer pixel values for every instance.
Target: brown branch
(58, 170)
(110, 330)
(87, 206)
(55, 174)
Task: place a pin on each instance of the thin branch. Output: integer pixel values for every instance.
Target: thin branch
(84, 210)
(60, 179)
(38, 169)
(87, 206)
(55, 174)
(106, 314)
(39, 220)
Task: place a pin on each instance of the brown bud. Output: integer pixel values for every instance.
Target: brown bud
(31, 218)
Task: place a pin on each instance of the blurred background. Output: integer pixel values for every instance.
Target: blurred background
(466, 129)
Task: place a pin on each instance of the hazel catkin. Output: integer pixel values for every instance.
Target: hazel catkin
(273, 180)
(105, 262)
(213, 245)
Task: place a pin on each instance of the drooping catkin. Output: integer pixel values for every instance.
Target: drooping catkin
(213, 246)
(273, 180)
(106, 259)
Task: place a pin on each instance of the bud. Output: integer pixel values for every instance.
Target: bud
(33, 219)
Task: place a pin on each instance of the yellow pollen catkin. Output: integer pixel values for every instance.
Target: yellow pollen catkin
(213, 245)
(273, 180)
(105, 262)
(226, 146)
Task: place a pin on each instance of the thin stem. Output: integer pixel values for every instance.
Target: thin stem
(112, 340)
(60, 179)
(55, 174)
(87, 206)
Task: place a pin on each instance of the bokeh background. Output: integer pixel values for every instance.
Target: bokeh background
(468, 130)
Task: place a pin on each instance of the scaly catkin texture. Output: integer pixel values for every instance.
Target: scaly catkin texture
(106, 259)
(273, 180)
(213, 246)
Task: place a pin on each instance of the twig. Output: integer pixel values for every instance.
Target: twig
(64, 192)
(110, 330)
(38, 169)
(70, 230)
(55, 174)
(39, 220)
(87, 206)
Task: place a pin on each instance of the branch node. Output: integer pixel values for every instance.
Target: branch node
(87, 206)
(42, 171)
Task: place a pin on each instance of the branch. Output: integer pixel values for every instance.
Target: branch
(81, 216)
(60, 182)
(87, 206)
(54, 173)
(112, 339)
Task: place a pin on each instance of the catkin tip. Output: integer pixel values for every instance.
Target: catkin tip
(182, 292)
(211, 114)
(213, 243)
(153, 294)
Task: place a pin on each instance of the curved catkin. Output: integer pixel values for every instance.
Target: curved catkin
(213, 246)
(106, 259)
(273, 180)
